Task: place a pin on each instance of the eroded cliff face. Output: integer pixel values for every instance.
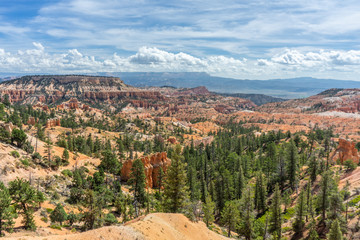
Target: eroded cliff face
(48, 89)
(152, 165)
(346, 150)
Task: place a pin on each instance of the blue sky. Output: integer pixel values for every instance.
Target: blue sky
(256, 39)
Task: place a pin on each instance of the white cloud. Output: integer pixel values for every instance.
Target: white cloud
(286, 63)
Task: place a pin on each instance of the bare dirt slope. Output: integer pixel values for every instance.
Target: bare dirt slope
(156, 226)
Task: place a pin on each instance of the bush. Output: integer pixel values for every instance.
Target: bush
(55, 226)
(353, 202)
(58, 215)
(350, 165)
(110, 219)
(36, 156)
(15, 154)
(72, 218)
(25, 162)
(67, 173)
(44, 219)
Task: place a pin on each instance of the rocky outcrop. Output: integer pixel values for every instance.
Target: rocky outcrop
(31, 121)
(7, 126)
(346, 150)
(172, 140)
(152, 166)
(52, 122)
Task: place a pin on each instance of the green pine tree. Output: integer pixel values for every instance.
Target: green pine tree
(208, 209)
(92, 215)
(176, 194)
(6, 211)
(275, 214)
(324, 194)
(26, 200)
(260, 192)
(109, 162)
(65, 157)
(58, 214)
(292, 164)
(335, 231)
(138, 181)
(240, 183)
(230, 216)
(246, 224)
(299, 223)
(313, 235)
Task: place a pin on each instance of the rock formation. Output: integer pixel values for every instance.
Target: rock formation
(331, 100)
(152, 166)
(346, 151)
(51, 88)
(7, 126)
(31, 121)
(52, 122)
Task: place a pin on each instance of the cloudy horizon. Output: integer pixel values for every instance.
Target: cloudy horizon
(246, 40)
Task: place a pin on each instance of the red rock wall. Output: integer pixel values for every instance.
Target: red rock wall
(53, 122)
(152, 166)
(346, 151)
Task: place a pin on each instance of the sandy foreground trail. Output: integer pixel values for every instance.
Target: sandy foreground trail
(156, 226)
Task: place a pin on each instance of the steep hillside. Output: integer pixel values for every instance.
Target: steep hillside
(51, 88)
(156, 226)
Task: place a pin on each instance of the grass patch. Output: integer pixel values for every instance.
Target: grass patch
(53, 226)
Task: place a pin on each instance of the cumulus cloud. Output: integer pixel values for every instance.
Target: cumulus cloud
(147, 55)
(288, 62)
(309, 59)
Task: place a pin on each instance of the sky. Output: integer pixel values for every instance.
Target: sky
(255, 39)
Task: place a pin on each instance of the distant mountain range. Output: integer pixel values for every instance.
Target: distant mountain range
(281, 88)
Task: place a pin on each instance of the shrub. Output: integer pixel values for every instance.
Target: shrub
(350, 165)
(15, 154)
(353, 202)
(58, 215)
(67, 173)
(25, 162)
(110, 219)
(55, 226)
(36, 156)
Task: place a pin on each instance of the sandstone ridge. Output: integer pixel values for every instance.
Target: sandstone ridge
(51, 88)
